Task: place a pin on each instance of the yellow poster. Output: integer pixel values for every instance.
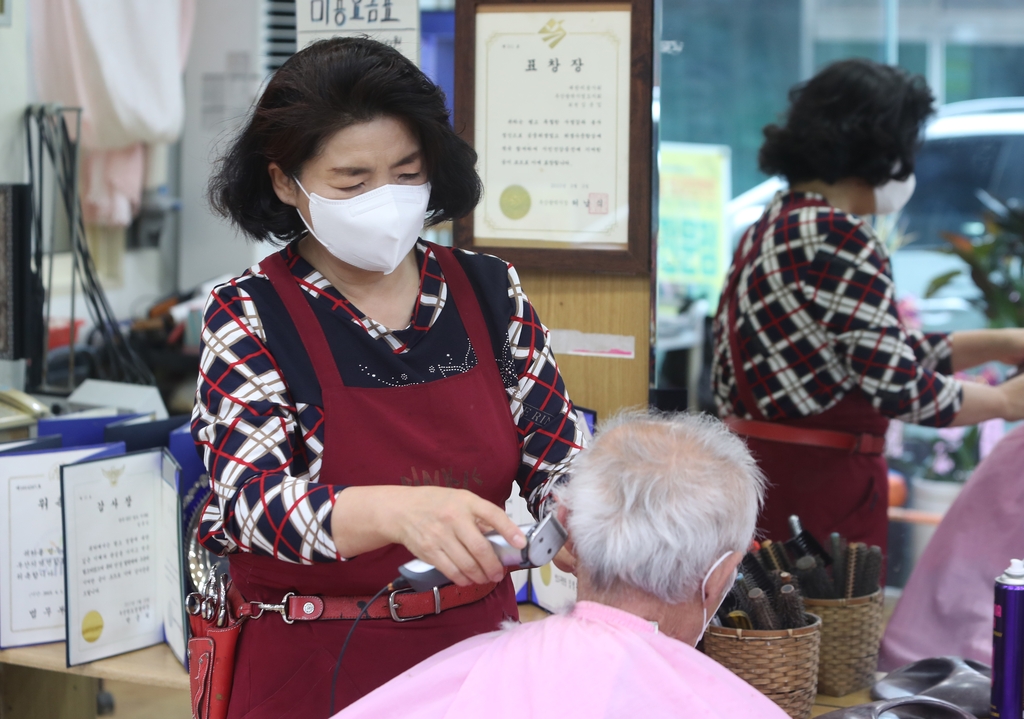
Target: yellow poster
(693, 232)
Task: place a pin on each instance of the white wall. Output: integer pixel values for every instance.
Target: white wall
(14, 93)
(222, 77)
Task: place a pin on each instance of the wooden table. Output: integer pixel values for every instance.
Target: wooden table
(34, 681)
(824, 704)
(154, 666)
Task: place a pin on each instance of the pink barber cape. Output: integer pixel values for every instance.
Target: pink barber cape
(594, 662)
(946, 607)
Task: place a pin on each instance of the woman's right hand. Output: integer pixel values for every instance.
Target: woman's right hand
(442, 526)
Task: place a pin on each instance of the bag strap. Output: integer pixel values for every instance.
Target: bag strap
(310, 331)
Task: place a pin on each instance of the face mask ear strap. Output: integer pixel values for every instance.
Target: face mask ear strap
(703, 590)
(704, 584)
(301, 187)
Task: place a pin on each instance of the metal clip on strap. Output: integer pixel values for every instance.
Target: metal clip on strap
(281, 608)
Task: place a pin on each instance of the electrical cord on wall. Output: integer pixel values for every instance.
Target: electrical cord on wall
(47, 135)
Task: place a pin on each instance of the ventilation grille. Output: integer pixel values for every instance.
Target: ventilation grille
(279, 39)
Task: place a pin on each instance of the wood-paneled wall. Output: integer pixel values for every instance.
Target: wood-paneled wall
(605, 304)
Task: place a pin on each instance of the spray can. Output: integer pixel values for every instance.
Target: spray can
(1008, 644)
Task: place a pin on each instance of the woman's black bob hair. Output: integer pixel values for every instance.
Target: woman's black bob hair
(327, 87)
(854, 119)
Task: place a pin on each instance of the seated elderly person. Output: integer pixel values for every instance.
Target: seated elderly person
(660, 511)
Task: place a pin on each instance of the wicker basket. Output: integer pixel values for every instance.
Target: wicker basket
(851, 630)
(782, 665)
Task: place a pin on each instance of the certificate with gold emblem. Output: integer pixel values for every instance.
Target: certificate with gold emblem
(124, 583)
(552, 113)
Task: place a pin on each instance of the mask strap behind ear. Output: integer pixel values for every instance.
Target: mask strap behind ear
(703, 589)
(301, 188)
(704, 584)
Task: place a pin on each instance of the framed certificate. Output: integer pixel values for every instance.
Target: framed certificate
(557, 103)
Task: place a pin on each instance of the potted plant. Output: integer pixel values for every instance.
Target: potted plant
(993, 262)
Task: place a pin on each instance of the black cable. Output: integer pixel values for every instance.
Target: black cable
(390, 587)
(54, 137)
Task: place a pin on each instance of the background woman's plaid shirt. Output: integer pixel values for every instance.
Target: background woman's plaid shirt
(263, 452)
(816, 318)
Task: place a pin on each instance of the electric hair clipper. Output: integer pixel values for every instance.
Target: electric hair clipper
(543, 540)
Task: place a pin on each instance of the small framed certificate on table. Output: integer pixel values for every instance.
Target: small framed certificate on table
(557, 103)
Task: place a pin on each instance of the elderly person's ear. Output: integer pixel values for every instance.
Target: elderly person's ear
(566, 557)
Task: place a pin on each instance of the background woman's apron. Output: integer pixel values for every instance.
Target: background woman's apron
(455, 432)
(830, 490)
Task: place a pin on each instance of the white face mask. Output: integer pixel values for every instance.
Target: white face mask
(703, 589)
(374, 231)
(893, 195)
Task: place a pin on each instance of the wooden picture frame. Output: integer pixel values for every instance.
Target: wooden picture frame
(635, 256)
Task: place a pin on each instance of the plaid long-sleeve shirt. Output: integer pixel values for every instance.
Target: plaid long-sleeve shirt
(263, 449)
(816, 318)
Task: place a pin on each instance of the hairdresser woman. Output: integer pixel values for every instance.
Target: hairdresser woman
(365, 397)
(811, 360)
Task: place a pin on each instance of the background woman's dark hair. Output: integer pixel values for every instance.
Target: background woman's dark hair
(855, 118)
(326, 87)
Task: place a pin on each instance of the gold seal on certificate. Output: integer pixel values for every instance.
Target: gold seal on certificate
(515, 202)
(92, 626)
(552, 109)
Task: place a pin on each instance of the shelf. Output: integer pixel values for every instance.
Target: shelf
(153, 666)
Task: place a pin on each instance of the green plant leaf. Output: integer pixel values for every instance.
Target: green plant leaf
(939, 282)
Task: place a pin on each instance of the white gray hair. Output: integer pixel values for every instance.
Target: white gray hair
(657, 498)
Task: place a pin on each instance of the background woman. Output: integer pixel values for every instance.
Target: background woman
(811, 359)
(364, 395)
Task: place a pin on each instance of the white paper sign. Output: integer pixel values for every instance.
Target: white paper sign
(552, 125)
(392, 22)
(32, 558)
(124, 576)
(591, 344)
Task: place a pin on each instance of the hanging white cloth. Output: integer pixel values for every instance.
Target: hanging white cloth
(121, 61)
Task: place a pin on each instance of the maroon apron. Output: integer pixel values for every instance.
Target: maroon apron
(830, 490)
(454, 432)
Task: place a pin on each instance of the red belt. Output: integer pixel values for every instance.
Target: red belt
(401, 605)
(775, 432)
